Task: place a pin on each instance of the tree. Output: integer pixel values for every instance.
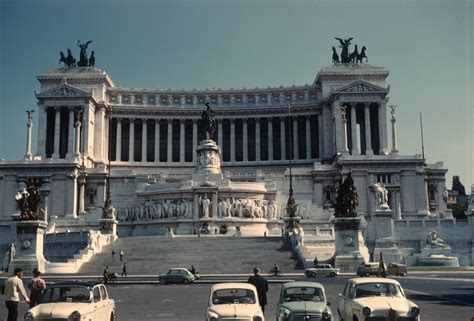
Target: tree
(458, 186)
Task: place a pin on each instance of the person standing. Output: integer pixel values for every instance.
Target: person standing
(262, 287)
(113, 255)
(124, 269)
(121, 255)
(14, 289)
(36, 286)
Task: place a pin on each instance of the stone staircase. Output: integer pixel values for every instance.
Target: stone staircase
(151, 255)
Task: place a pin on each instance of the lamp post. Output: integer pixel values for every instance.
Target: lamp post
(291, 219)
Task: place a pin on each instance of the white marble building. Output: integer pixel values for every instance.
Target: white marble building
(153, 135)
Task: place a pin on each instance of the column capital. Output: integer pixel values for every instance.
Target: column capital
(367, 104)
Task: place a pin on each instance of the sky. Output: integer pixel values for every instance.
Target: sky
(427, 45)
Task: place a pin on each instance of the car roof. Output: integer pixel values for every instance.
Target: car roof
(374, 280)
(88, 284)
(308, 284)
(178, 269)
(235, 285)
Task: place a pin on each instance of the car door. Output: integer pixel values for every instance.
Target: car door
(342, 301)
(349, 302)
(106, 303)
(98, 305)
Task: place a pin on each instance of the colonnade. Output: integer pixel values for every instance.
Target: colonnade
(241, 139)
(372, 137)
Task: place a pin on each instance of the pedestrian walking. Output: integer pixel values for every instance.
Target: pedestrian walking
(124, 269)
(262, 287)
(37, 287)
(121, 255)
(113, 255)
(315, 261)
(14, 289)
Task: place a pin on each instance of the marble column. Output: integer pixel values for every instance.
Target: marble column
(258, 156)
(394, 131)
(29, 125)
(170, 141)
(320, 136)
(245, 141)
(308, 137)
(195, 139)
(338, 131)
(232, 140)
(368, 139)
(383, 127)
(70, 140)
(220, 138)
(345, 150)
(181, 140)
(57, 123)
(41, 135)
(118, 148)
(131, 157)
(157, 140)
(144, 140)
(295, 138)
(82, 187)
(282, 138)
(77, 146)
(355, 147)
(270, 138)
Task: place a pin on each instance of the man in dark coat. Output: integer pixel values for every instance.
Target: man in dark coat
(262, 287)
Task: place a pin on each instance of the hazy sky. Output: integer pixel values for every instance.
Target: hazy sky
(426, 45)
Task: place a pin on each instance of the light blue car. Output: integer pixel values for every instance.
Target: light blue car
(303, 301)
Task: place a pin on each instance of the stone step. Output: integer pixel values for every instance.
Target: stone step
(156, 254)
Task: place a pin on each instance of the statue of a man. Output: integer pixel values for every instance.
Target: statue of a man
(381, 194)
(205, 204)
(209, 121)
(433, 239)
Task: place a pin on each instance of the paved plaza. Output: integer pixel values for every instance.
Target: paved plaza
(449, 298)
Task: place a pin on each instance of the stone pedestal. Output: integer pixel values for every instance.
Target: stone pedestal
(108, 226)
(350, 247)
(208, 162)
(385, 242)
(29, 247)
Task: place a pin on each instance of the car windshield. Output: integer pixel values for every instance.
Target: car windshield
(66, 294)
(377, 289)
(303, 294)
(232, 296)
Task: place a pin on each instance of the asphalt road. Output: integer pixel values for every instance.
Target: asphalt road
(439, 296)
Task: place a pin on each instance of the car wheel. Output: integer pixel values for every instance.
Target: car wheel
(162, 281)
(186, 281)
(313, 275)
(367, 274)
(332, 274)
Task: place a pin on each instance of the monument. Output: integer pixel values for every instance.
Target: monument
(27, 251)
(349, 239)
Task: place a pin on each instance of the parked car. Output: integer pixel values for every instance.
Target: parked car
(74, 301)
(375, 299)
(397, 269)
(322, 269)
(370, 268)
(303, 301)
(177, 275)
(233, 301)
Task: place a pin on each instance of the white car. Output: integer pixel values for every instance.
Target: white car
(322, 269)
(375, 299)
(234, 301)
(74, 301)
